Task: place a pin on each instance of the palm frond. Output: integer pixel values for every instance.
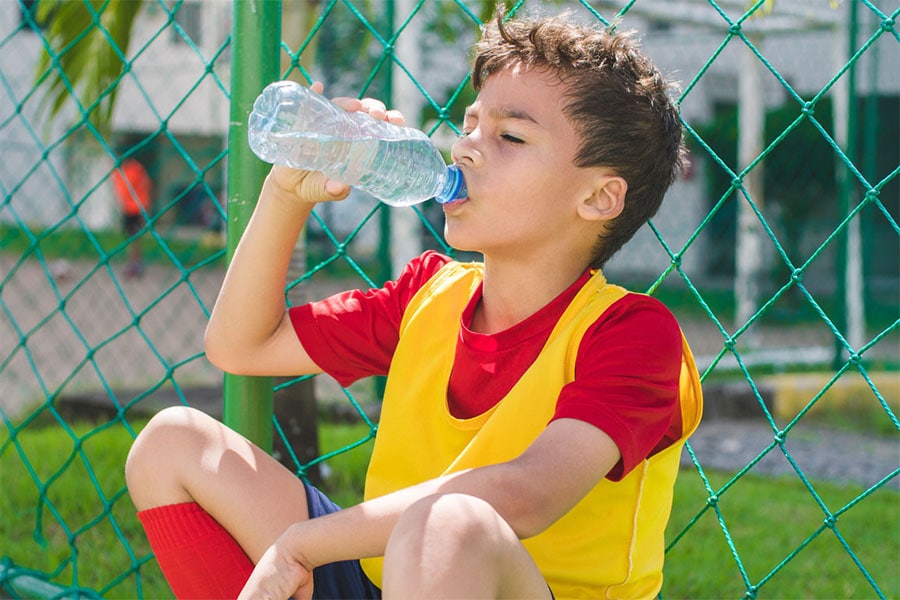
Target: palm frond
(85, 54)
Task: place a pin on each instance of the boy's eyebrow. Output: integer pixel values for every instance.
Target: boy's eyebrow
(503, 113)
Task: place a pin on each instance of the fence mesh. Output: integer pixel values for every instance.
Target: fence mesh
(777, 250)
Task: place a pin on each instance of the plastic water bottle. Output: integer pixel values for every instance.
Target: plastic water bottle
(292, 125)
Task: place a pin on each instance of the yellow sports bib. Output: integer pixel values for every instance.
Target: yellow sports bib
(611, 543)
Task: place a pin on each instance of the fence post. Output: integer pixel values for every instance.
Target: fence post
(750, 258)
(406, 227)
(255, 43)
(847, 255)
(385, 265)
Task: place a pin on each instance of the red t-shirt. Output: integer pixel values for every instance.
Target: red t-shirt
(626, 370)
(133, 187)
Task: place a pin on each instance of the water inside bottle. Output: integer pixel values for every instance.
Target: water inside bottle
(398, 165)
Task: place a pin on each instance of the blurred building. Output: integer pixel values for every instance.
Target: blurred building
(172, 110)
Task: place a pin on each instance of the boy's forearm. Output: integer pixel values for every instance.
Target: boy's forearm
(251, 305)
(362, 531)
(529, 492)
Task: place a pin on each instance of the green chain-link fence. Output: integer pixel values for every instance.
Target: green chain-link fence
(778, 251)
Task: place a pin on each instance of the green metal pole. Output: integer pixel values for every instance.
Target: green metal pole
(255, 44)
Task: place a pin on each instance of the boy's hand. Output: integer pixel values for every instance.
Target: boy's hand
(310, 186)
(316, 187)
(278, 575)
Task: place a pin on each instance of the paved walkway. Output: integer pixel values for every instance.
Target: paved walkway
(821, 453)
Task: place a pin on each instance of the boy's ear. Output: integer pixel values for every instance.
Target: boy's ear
(607, 200)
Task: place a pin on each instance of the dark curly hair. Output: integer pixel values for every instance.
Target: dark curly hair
(616, 98)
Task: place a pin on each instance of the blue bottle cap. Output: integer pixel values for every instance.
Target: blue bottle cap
(454, 188)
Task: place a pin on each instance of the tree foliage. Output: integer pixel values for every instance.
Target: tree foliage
(85, 54)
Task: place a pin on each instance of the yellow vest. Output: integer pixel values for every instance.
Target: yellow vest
(610, 545)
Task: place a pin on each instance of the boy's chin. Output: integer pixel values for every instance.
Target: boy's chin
(457, 244)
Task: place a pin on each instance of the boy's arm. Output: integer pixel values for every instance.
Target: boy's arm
(249, 331)
(530, 492)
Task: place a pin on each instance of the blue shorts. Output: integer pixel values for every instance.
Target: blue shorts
(343, 580)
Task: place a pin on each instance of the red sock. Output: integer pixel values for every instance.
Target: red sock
(197, 555)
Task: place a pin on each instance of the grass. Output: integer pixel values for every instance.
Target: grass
(70, 535)
(161, 247)
(346, 471)
(766, 519)
(79, 244)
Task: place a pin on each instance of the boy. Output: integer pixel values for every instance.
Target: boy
(534, 415)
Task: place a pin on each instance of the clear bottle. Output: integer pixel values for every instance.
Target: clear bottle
(292, 125)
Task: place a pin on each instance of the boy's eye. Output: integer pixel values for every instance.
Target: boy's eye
(512, 139)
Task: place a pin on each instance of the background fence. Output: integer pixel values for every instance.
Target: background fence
(778, 251)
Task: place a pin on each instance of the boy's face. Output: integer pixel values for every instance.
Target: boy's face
(516, 154)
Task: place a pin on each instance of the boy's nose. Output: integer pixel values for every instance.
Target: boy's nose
(465, 151)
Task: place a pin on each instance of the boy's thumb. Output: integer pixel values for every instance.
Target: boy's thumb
(336, 189)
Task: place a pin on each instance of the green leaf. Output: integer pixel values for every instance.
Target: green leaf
(85, 55)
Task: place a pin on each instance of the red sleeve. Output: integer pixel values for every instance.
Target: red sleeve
(626, 379)
(353, 334)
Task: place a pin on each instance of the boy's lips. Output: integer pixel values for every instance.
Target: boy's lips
(450, 206)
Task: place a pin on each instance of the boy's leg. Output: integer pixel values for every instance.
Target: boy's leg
(184, 456)
(457, 546)
(198, 557)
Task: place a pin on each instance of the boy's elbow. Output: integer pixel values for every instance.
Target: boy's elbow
(218, 351)
(530, 523)
(530, 513)
(212, 348)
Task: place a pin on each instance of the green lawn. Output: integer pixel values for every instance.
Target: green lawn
(72, 520)
(769, 519)
(766, 519)
(107, 245)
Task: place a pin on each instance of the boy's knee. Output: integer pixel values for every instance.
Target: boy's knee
(164, 438)
(441, 537)
(452, 521)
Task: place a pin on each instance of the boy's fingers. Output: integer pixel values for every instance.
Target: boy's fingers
(317, 187)
(375, 108)
(309, 185)
(337, 189)
(348, 104)
(396, 117)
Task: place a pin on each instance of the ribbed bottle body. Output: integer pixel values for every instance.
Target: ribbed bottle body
(292, 125)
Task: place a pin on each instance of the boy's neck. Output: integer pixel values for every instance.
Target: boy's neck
(513, 292)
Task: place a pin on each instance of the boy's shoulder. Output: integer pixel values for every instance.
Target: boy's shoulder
(419, 270)
(643, 317)
(432, 260)
(423, 266)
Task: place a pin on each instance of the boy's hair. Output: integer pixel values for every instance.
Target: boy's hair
(616, 99)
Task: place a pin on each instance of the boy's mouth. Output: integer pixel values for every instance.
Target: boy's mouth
(449, 206)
